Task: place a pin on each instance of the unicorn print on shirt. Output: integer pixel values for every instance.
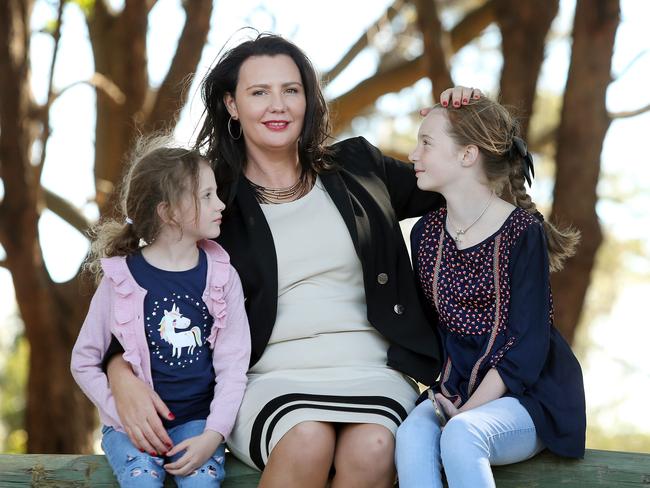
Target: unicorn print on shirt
(173, 320)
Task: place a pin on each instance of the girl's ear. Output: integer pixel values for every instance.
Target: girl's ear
(469, 155)
(164, 213)
(231, 105)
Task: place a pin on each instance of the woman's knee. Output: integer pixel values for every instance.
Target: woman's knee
(371, 446)
(308, 442)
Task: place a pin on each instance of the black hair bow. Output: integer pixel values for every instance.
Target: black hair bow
(519, 145)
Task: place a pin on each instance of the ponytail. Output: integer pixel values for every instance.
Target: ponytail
(110, 238)
(561, 241)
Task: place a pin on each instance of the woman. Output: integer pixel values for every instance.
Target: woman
(313, 232)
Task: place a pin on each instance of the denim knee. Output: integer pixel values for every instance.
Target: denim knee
(459, 438)
(211, 474)
(141, 471)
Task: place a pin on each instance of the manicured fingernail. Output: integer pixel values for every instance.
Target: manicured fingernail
(141, 450)
(153, 453)
(171, 416)
(465, 100)
(444, 103)
(456, 104)
(476, 97)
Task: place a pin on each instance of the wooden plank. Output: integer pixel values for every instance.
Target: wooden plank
(599, 469)
(76, 471)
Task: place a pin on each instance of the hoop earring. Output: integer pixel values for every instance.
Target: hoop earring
(230, 129)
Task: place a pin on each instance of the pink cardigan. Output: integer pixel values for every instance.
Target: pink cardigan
(117, 308)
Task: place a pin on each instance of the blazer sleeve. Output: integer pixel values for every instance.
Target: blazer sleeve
(230, 358)
(521, 362)
(406, 198)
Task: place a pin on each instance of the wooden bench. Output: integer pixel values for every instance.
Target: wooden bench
(598, 469)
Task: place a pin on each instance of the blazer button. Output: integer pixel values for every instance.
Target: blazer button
(382, 278)
(398, 309)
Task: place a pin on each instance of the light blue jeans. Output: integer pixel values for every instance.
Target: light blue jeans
(133, 468)
(496, 433)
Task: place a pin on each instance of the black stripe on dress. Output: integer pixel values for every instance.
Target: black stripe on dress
(273, 410)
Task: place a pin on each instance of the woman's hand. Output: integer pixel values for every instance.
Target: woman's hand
(197, 449)
(449, 408)
(139, 408)
(457, 96)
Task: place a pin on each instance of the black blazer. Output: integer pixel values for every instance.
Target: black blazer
(373, 193)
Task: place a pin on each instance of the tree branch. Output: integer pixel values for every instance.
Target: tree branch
(363, 41)
(631, 63)
(101, 83)
(66, 211)
(172, 94)
(631, 113)
(45, 114)
(351, 103)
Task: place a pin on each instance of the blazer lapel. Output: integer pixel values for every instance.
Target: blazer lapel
(356, 221)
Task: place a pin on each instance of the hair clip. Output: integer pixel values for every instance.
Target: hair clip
(128, 221)
(527, 166)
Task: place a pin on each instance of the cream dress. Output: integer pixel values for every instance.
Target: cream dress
(324, 361)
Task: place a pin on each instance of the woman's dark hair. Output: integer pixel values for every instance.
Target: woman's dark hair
(228, 155)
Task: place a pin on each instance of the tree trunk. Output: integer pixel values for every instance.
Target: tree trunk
(58, 418)
(437, 47)
(580, 139)
(524, 26)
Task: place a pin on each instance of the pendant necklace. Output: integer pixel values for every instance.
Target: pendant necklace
(459, 230)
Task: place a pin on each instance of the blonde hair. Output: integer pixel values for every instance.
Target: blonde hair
(489, 126)
(158, 172)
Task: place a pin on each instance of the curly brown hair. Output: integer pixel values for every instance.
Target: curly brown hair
(158, 173)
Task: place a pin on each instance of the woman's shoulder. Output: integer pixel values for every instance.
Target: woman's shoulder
(354, 151)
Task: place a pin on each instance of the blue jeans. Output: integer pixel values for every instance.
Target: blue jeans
(496, 433)
(133, 468)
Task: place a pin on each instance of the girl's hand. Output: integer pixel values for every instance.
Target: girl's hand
(198, 450)
(447, 406)
(139, 408)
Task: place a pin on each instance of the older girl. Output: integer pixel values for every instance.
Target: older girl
(510, 385)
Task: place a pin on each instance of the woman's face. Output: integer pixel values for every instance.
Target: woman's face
(436, 157)
(269, 102)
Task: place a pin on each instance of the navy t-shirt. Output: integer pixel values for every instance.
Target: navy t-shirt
(177, 324)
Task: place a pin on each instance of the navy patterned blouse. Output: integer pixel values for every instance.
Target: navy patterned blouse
(492, 303)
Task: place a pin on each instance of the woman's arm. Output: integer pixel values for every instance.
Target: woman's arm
(139, 408)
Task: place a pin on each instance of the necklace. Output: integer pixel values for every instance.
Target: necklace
(287, 194)
(460, 231)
